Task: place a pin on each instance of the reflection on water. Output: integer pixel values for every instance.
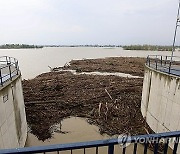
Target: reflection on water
(36, 61)
(77, 129)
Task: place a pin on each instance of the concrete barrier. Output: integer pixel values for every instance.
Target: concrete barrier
(160, 104)
(13, 125)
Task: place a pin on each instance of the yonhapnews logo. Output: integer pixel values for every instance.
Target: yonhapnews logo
(122, 140)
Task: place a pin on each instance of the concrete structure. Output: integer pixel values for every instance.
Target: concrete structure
(161, 100)
(13, 125)
(160, 104)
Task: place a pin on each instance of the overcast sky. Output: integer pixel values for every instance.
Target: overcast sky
(88, 21)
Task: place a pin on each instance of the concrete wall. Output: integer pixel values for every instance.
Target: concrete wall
(160, 103)
(13, 125)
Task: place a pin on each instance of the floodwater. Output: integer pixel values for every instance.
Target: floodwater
(33, 62)
(75, 129)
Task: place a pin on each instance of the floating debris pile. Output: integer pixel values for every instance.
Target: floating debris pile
(128, 65)
(54, 96)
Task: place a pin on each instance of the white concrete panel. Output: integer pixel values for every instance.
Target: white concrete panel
(6, 140)
(1, 141)
(172, 89)
(168, 113)
(161, 128)
(177, 94)
(11, 113)
(146, 92)
(154, 98)
(14, 140)
(165, 92)
(4, 128)
(143, 110)
(2, 112)
(153, 123)
(11, 119)
(9, 103)
(163, 109)
(174, 117)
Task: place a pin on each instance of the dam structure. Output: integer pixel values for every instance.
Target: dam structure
(160, 107)
(160, 104)
(13, 125)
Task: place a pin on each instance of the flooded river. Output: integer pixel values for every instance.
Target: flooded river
(33, 62)
(75, 129)
(36, 61)
(70, 130)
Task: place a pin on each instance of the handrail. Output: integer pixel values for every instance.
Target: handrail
(164, 63)
(154, 139)
(8, 69)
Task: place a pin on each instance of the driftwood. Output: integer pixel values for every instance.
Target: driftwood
(60, 95)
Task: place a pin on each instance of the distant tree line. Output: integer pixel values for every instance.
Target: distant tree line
(19, 46)
(149, 47)
(96, 45)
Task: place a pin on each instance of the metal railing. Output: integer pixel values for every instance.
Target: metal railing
(169, 138)
(164, 63)
(8, 69)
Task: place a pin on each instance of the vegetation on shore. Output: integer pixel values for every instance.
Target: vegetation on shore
(96, 45)
(148, 47)
(18, 46)
(126, 47)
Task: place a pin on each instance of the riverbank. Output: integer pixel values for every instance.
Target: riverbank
(110, 102)
(20, 46)
(149, 47)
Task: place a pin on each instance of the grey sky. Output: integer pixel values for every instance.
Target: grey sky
(88, 21)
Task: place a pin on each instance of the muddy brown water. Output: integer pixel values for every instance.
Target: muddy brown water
(77, 129)
(36, 61)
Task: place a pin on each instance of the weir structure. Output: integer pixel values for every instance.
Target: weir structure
(160, 104)
(160, 107)
(13, 125)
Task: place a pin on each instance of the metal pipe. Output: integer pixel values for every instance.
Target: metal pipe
(156, 62)
(174, 40)
(111, 149)
(1, 77)
(10, 72)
